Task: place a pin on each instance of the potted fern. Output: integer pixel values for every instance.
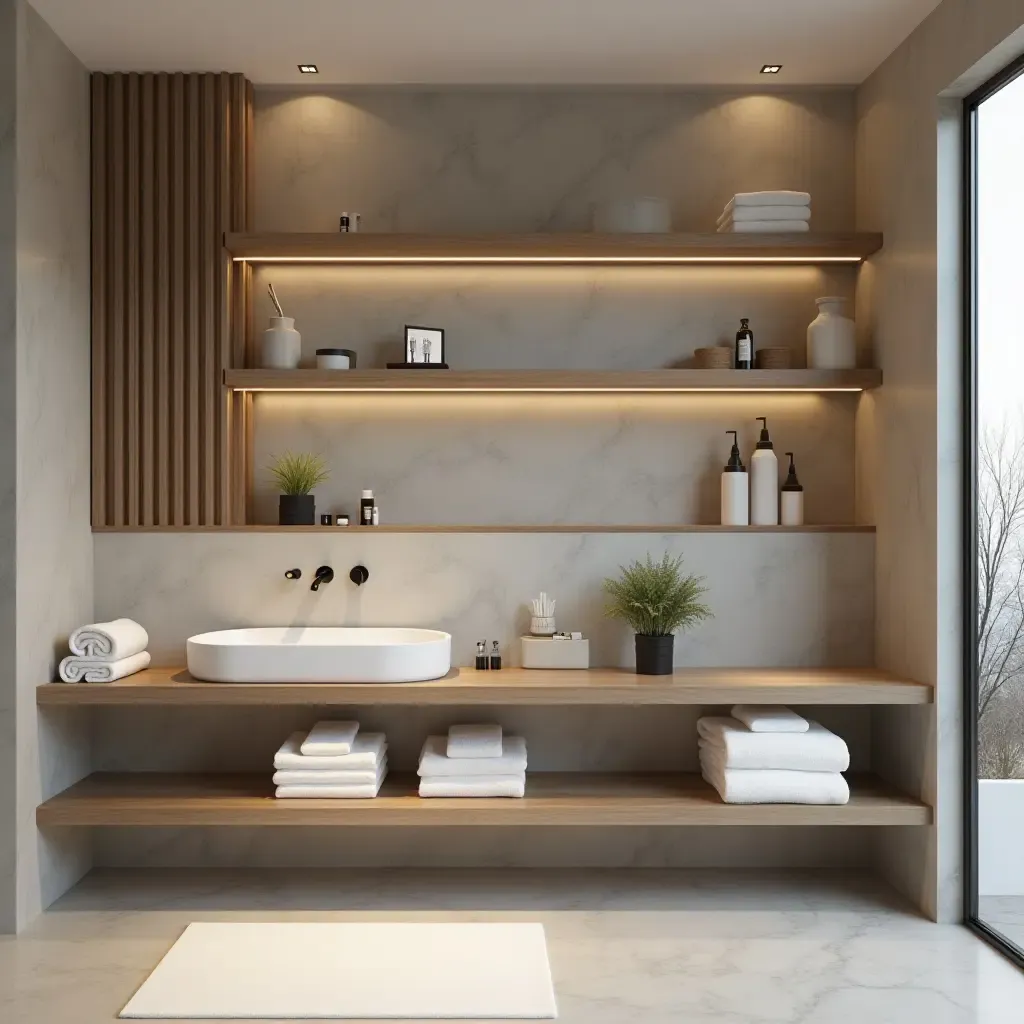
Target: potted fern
(657, 600)
(296, 477)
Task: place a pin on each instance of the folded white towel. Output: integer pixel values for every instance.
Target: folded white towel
(744, 786)
(329, 739)
(367, 791)
(474, 741)
(778, 198)
(769, 718)
(353, 777)
(109, 641)
(513, 785)
(368, 748)
(742, 213)
(101, 670)
(764, 226)
(816, 750)
(433, 761)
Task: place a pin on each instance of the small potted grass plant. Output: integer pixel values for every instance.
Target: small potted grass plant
(657, 600)
(297, 476)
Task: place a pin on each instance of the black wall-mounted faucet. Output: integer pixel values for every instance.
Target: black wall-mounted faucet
(323, 575)
(359, 574)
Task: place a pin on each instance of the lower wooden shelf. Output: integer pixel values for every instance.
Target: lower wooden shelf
(552, 799)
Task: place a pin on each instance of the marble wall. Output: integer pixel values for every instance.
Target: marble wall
(54, 542)
(521, 161)
(908, 186)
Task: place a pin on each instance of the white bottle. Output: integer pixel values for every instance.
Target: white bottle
(764, 481)
(735, 489)
(831, 337)
(792, 498)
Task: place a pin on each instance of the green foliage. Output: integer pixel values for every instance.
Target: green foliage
(298, 474)
(655, 598)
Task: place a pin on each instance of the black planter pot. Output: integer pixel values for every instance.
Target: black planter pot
(296, 510)
(654, 655)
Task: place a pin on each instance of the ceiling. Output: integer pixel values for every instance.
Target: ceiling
(492, 42)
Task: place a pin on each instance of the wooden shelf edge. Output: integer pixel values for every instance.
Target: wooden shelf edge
(666, 528)
(158, 687)
(556, 799)
(562, 382)
(555, 248)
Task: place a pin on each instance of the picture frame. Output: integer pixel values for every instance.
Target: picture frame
(424, 346)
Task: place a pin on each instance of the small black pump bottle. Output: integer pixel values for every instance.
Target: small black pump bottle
(481, 655)
(744, 346)
(495, 655)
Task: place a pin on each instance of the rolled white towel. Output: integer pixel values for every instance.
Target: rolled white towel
(101, 670)
(781, 197)
(109, 641)
(474, 741)
(368, 749)
(323, 777)
(769, 718)
(474, 786)
(766, 786)
(742, 213)
(816, 750)
(763, 226)
(329, 739)
(433, 761)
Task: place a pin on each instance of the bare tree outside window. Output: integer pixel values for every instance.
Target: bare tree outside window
(1001, 604)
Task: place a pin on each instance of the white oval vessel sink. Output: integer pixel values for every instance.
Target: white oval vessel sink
(319, 654)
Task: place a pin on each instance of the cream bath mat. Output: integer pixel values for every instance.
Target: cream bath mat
(346, 971)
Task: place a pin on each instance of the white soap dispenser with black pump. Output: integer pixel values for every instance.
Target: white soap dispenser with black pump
(735, 488)
(764, 481)
(792, 498)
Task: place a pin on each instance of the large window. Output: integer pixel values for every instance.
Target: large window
(994, 538)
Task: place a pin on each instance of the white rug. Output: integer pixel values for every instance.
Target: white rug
(346, 971)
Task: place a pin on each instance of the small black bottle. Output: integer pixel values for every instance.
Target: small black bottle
(481, 655)
(744, 346)
(495, 656)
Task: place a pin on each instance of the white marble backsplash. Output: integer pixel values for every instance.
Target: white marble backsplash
(778, 599)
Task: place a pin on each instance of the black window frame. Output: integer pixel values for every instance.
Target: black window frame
(969, 127)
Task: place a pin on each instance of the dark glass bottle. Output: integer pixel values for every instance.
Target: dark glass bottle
(744, 346)
(481, 655)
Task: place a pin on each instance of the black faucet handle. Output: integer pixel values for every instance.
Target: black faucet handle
(323, 575)
(293, 574)
(359, 574)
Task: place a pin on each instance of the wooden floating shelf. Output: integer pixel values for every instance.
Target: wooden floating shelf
(511, 686)
(546, 249)
(560, 382)
(496, 528)
(564, 799)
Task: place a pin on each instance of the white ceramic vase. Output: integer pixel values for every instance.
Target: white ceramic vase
(831, 337)
(282, 344)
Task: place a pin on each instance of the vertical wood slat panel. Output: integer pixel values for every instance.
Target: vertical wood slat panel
(169, 178)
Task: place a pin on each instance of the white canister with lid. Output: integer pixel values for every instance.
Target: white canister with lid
(335, 359)
(282, 344)
(831, 336)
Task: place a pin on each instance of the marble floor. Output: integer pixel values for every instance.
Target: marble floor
(653, 947)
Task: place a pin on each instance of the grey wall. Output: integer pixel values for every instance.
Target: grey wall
(908, 186)
(44, 450)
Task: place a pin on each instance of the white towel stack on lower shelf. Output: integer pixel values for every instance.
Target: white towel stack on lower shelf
(334, 761)
(772, 756)
(104, 651)
(763, 212)
(473, 761)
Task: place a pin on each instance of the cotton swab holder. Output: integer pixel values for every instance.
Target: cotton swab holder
(542, 621)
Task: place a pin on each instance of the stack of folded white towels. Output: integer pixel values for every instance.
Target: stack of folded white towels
(767, 211)
(104, 651)
(473, 760)
(333, 761)
(771, 755)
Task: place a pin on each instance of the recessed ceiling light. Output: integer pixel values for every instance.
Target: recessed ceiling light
(309, 69)
(771, 69)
